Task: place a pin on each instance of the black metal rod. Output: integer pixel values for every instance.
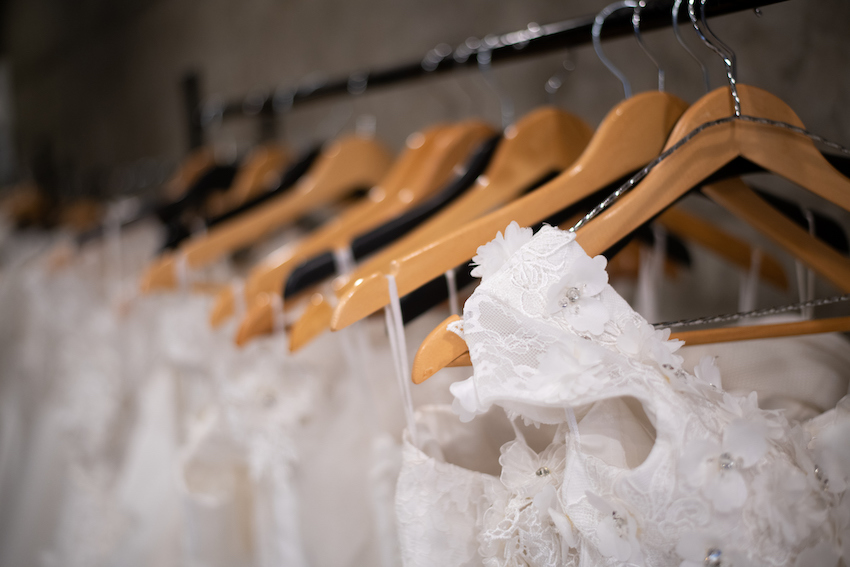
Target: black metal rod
(192, 103)
(534, 40)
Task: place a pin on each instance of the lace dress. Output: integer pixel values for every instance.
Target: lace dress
(650, 464)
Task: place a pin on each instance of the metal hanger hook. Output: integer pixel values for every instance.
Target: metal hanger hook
(720, 48)
(639, 38)
(506, 104)
(687, 49)
(597, 44)
(556, 81)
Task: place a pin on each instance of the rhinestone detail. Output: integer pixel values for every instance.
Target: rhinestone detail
(543, 471)
(712, 557)
(572, 295)
(727, 463)
(619, 522)
(824, 482)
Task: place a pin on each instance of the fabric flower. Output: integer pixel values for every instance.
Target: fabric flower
(793, 517)
(640, 341)
(715, 468)
(706, 371)
(822, 554)
(494, 254)
(617, 532)
(709, 549)
(526, 473)
(547, 505)
(559, 368)
(576, 295)
(841, 519)
(831, 452)
(518, 529)
(466, 403)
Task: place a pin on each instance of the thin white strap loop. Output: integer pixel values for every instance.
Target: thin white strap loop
(344, 260)
(809, 312)
(573, 425)
(651, 274)
(181, 267)
(748, 295)
(398, 344)
(278, 314)
(451, 283)
(238, 289)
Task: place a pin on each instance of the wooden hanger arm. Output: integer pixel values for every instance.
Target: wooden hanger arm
(775, 330)
(439, 349)
(191, 169)
(736, 197)
(794, 157)
(315, 320)
(263, 164)
(306, 329)
(694, 229)
(682, 170)
(223, 307)
(161, 274)
(443, 348)
(258, 320)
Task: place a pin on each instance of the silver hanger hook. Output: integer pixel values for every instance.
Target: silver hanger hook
(639, 38)
(556, 81)
(719, 48)
(597, 44)
(684, 45)
(506, 104)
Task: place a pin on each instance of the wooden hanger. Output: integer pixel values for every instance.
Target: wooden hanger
(770, 331)
(348, 164)
(795, 158)
(737, 198)
(264, 277)
(630, 136)
(736, 251)
(543, 142)
(775, 149)
(445, 349)
(429, 162)
(262, 166)
(190, 170)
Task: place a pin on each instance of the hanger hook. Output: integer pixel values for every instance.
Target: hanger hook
(684, 45)
(506, 104)
(719, 48)
(556, 81)
(597, 44)
(639, 38)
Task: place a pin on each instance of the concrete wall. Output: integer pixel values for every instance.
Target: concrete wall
(96, 83)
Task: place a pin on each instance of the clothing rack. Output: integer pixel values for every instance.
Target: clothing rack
(534, 40)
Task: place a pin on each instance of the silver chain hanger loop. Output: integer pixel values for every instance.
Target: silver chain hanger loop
(755, 313)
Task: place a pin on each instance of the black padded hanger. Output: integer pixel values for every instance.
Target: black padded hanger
(179, 231)
(323, 266)
(217, 178)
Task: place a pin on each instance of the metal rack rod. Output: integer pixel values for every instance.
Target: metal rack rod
(534, 40)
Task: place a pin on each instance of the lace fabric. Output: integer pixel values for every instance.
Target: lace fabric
(661, 466)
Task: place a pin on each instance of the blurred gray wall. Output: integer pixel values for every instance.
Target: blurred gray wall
(97, 82)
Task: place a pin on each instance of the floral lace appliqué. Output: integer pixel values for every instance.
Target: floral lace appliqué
(576, 295)
(494, 254)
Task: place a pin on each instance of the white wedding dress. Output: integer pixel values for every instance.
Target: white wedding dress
(637, 460)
